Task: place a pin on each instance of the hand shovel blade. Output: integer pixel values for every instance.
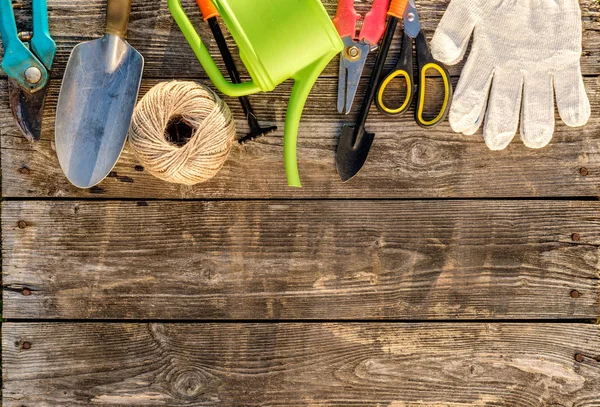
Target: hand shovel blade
(353, 150)
(95, 106)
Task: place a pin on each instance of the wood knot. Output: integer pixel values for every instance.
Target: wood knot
(423, 153)
(188, 384)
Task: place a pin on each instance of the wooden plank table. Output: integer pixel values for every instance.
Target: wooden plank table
(444, 275)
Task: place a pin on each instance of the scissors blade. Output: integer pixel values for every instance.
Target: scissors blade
(412, 22)
(352, 65)
(27, 108)
(342, 82)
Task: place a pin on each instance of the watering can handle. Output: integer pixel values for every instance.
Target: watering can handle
(217, 78)
(304, 82)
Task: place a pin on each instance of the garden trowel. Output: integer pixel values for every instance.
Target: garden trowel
(96, 101)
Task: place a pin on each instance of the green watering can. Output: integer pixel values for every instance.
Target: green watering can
(278, 40)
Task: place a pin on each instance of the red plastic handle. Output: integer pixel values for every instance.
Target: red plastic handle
(208, 9)
(374, 24)
(345, 18)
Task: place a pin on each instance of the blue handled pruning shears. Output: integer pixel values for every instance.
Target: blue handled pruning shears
(27, 64)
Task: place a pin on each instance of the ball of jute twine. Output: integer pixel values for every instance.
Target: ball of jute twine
(211, 122)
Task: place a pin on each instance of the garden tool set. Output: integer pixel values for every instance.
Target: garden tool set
(210, 14)
(355, 142)
(27, 61)
(525, 54)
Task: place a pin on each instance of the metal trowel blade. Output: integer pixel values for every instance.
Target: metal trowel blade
(353, 150)
(95, 106)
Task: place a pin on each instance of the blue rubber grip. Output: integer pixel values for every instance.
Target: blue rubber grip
(8, 26)
(17, 57)
(42, 44)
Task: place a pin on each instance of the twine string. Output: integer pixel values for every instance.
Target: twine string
(211, 122)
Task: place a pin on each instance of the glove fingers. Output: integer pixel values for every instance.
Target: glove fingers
(537, 121)
(452, 35)
(470, 96)
(571, 97)
(502, 119)
(475, 127)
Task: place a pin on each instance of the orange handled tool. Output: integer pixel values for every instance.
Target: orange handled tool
(397, 8)
(210, 14)
(208, 9)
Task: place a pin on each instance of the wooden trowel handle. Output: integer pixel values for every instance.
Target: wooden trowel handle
(117, 17)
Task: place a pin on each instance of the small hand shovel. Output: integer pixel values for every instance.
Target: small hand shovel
(96, 101)
(355, 142)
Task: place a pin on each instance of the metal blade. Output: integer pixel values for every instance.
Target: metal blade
(354, 74)
(342, 84)
(353, 150)
(94, 110)
(27, 108)
(352, 65)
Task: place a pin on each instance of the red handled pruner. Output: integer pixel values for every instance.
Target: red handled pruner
(356, 50)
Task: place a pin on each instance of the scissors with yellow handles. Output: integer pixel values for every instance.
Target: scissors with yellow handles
(415, 87)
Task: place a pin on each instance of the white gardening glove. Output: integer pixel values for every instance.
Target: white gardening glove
(524, 51)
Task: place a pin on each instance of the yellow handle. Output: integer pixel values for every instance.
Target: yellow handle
(422, 91)
(409, 88)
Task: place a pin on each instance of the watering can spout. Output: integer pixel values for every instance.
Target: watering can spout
(304, 82)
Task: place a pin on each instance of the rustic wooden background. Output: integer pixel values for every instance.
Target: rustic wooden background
(443, 275)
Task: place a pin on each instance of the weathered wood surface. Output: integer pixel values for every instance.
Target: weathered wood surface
(154, 33)
(367, 365)
(288, 260)
(406, 161)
